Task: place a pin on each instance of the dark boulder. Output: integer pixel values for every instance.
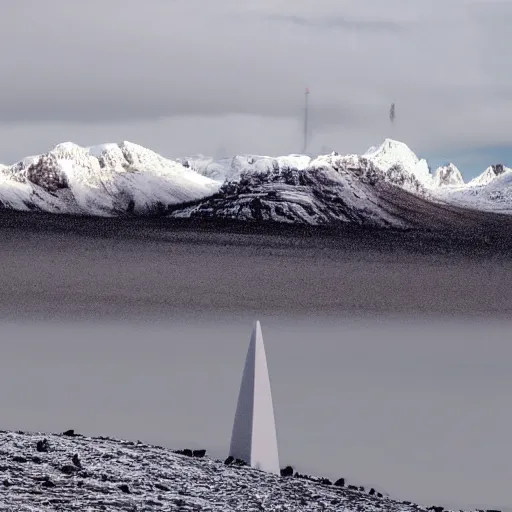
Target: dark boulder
(18, 458)
(48, 484)
(353, 487)
(68, 469)
(325, 481)
(6, 483)
(69, 433)
(379, 495)
(124, 488)
(42, 446)
(187, 452)
(361, 488)
(287, 471)
(199, 453)
(229, 460)
(76, 461)
(340, 482)
(162, 487)
(371, 492)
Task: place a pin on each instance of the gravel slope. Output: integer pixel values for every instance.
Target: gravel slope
(109, 474)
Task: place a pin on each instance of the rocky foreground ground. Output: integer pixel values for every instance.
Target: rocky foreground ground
(68, 472)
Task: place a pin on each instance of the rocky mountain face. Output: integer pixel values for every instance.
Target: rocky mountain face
(69, 472)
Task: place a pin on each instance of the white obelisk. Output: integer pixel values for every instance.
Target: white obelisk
(254, 437)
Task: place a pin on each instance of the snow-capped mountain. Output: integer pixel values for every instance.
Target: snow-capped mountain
(106, 180)
(401, 164)
(448, 176)
(73, 472)
(489, 175)
(382, 187)
(330, 189)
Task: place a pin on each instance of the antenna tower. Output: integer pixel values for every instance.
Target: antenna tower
(306, 108)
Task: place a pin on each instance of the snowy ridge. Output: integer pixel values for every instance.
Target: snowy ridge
(229, 169)
(127, 179)
(73, 472)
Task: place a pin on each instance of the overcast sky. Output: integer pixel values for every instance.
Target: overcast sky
(226, 76)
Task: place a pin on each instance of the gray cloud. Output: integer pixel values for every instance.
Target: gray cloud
(233, 74)
(337, 22)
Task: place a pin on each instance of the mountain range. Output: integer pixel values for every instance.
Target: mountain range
(388, 186)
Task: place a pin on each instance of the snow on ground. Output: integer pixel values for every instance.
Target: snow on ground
(59, 472)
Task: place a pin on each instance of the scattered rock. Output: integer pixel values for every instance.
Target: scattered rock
(340, 482)
(361, 488)
(76, 461)
(68, 469)
(353, 487)
(187, 452)
(69, 433)
(325, 481)
(287, 471)
(379, 495)
(162, 487)
(6, 483)
(199, 453)
(48, 484)
(42, 446)
(36, 460)
(229, 460)
(18, 458)
(124, 488)
(371, 492)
